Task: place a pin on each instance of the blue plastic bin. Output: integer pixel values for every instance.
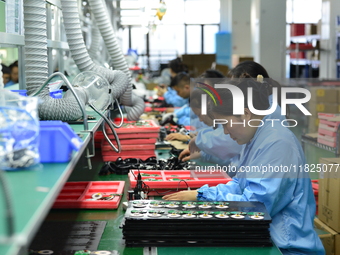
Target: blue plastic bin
(57, 93)
(21, 92)
(57, 142)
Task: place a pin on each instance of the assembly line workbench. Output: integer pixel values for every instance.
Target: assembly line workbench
(34, 191)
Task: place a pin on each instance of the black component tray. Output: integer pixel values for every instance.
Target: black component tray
(141, 210)
(185, 223)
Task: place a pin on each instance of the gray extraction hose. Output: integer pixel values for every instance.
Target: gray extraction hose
(36, 67)
(116, 78)
(103, 23)
(95, 42)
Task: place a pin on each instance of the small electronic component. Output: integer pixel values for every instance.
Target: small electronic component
(46, 252)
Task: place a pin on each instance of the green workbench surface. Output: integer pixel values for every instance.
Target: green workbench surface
(33, 192)
(112, 238)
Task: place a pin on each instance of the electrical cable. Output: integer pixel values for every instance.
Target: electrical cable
(121, 115)
(112, 129)
(185, 183)
(166, 192)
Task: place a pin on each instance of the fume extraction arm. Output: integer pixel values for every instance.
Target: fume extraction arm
(122, 87)
(37, 65)
(104, 25)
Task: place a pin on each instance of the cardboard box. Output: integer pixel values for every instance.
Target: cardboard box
(222, 68)
(198, 63)
(151, 86)
(329, 192)
(297, 29)
(311, 29)
(236, 59)
(328, 237)
(325, 95)
(316, 107)
(313, 124)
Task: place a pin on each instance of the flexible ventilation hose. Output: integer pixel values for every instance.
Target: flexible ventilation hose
(95, 42)
(36, 67)
(117, 57)
(116, 78)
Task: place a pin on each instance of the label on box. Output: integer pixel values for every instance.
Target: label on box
(320, 92)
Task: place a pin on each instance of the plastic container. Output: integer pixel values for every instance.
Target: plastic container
(57, 142)
(56, 94)
(326, 142)
(21, 92)
(131, 127)
(79, 195)
(329, 125)
(164, 179)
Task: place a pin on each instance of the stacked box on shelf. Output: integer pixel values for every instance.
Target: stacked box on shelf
(328, 129)
(196, 224)
(323, 100)
(329, 202)
(162, 182)
(137, 139)
(297, 29)
(315, 187)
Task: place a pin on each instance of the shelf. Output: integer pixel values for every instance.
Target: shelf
(301, 61)
(313, 141)
(298, 50)
(34, 191)
(304, 38)
(12, 39)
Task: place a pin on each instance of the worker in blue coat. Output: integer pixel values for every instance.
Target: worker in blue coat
(181, 85)
(170, 95)
(218, 148)
(268, 171)
(211, 145)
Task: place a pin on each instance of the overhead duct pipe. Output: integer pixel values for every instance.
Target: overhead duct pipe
(116, 78)
(105, 27)
(71, 107)
(95, 42)
(36, 66)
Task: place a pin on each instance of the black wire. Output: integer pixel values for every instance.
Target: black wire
(180, 183)
(134, 175)
(165, 192)
(145, 187)
(9, 210)
(162, 193)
